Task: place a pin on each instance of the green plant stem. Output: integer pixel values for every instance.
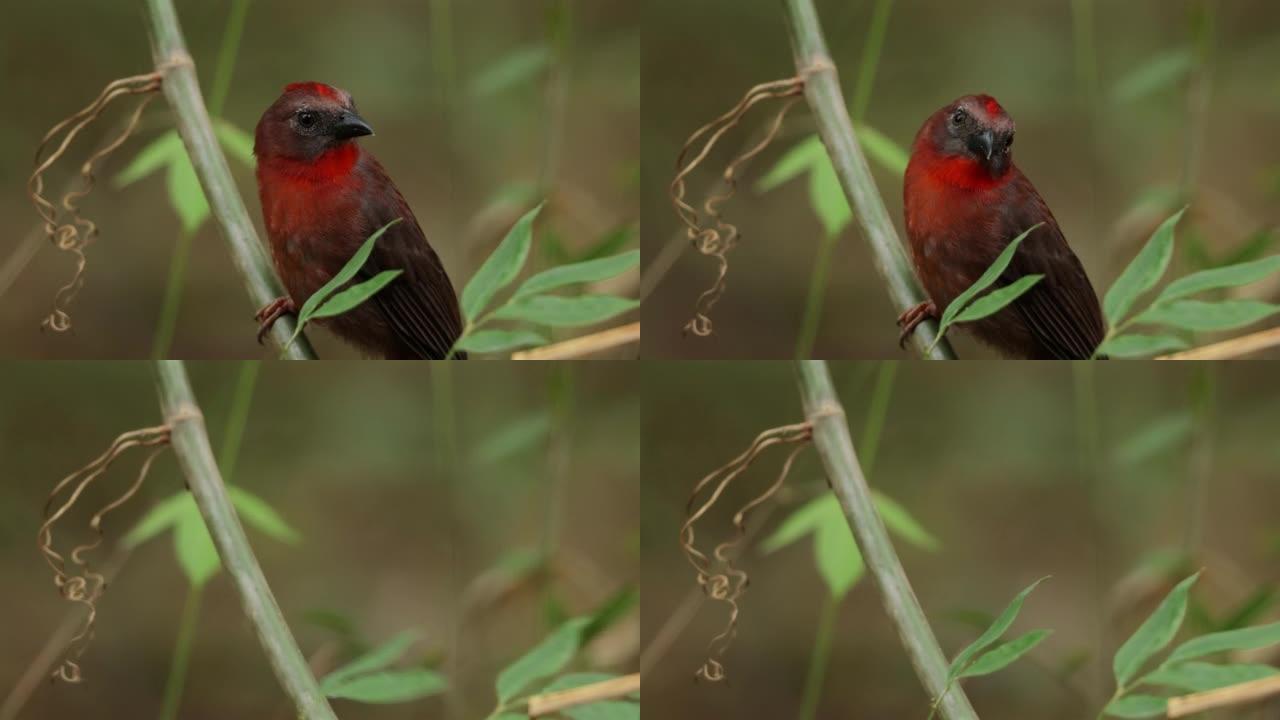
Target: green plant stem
(172, 297)
(835, 447)
(861, 96)
(1199, 91)
(817, 294)
(559, 454)
(190, 444)
(818, 660)
(182, 90)
(560, 37)
(227, 53)
(1201, 465)
(181, 654)
(822, 90)
(1089, 442)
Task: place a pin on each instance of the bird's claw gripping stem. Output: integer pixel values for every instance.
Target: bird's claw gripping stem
(271, 312)
(913, 317)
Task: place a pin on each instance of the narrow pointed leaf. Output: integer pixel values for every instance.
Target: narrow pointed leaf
(1143, 272)
(395, 686)
(839, 561)
(1137, 706)
(197, 556)
(157, 154)
(604, 710)
(1154, 633)
(492, 341)
(1004, 654)
(344, 275)
(1205, 316)
(986, 279)
(996, 300)
(163, 516)
(354, 296)
(185, 194)
(1202, 676)
(376, 659)
(237, 142)
(502, 266)
(1159, 72)
(1221, 277)
(546, 659)
(558, 311)
(259, 515)
(1250, 638)
(1135, 345)
(881, 149)
(801, 522)
(826, 195)
(793, 163)
(517, 67)
(994, 632)
(900, 522)
(583, 272)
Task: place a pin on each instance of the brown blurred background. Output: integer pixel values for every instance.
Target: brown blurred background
(993, 463)
(1110, 167)
(400, 513)
(470, 124)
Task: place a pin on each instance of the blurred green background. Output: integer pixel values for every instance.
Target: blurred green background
(481, 109)
(1106, 135)
(995, 465)
(406, 521)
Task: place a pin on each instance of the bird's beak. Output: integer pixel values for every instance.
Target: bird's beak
(351, 125)
(982, 143)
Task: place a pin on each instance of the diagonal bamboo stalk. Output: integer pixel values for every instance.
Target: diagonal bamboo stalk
(822, 90)
(190, 444)
(832, 441)
(182, 90)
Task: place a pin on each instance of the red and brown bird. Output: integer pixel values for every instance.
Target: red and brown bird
(964, 201)
(322, 197)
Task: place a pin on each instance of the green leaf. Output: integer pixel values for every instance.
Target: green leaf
(993, 632)
(237, 142)
(197, 556)
(1143, 272)
(156, 154)
(583, 272)
(898, 520)
(546, 659)
(802, 521)
(492, 341)
(990, 276)
(1137, 706)
(604, 710)
(395, 686)
(1222, 277)
(793, 163)
(164, 515)
(1254, 247)
(1153, 635)
(1005, 654)
(881, 149)
(839, 561)
(186, 195)
(1157, 73)
(827, 197)
(612, 242)
(516, 436)
(257, 514)
(1201, 315)
(354, 296)
(1156, 437)
(347, 272)
(996, 300)
(1250, 638)
(1202, 676)
(613, 609)
(514, 68)
(560, 311)
(1134, 345)
(501, 267)
(376, 659)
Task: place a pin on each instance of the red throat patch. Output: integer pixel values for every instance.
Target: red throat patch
(320, 89)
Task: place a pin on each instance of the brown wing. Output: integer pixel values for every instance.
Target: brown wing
(1061, 311)
(420, 306)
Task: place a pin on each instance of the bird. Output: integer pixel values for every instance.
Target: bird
(322, 196)
(964, 200)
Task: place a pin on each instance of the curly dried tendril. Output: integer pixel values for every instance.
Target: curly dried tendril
(81, 584)
(77, 232)
(716, 238)
(717, 575)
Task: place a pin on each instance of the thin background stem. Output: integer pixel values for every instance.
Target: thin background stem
(822, 90)
(834, 445)
(181, 653)
(1088, 443)
(182, 90)
(190, 444)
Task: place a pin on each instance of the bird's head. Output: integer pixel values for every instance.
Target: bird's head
(307, 120)
(973, 128)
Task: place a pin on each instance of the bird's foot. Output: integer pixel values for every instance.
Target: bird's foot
(913, 317)
(272, 312)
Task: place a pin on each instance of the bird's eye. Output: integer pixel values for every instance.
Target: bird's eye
(957, 117)
(307, 118)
